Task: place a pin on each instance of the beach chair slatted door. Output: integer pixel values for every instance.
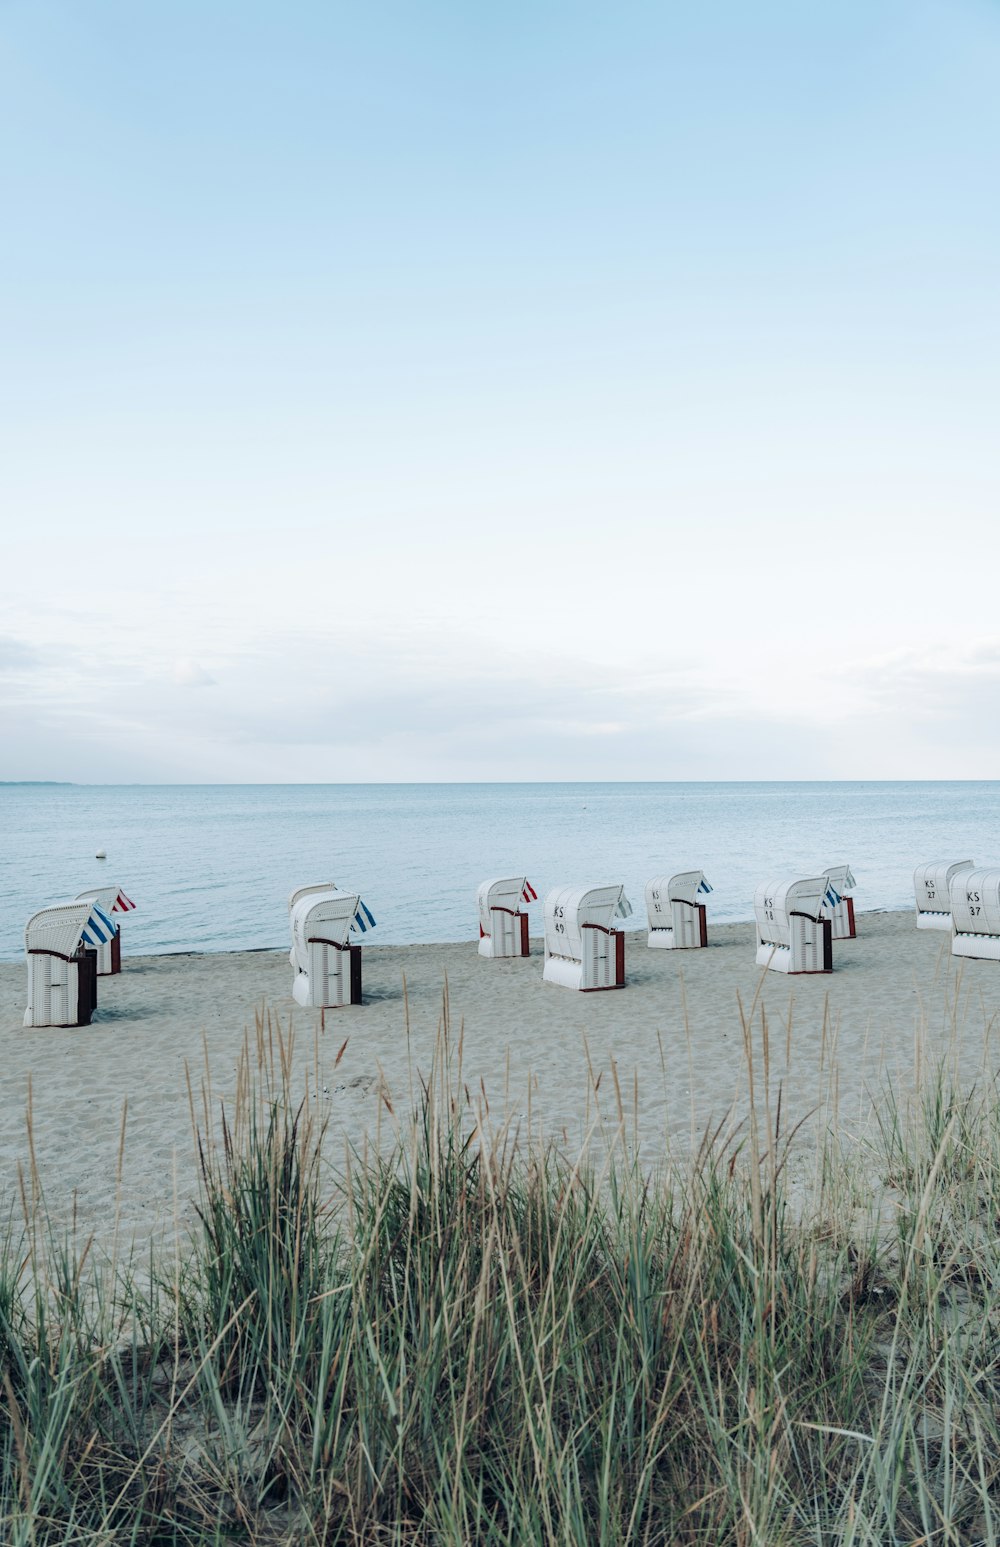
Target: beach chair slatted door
(598, 970)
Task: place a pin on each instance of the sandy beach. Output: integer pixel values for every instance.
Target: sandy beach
(672, 1040)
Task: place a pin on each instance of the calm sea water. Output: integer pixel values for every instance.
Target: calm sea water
(210, 867)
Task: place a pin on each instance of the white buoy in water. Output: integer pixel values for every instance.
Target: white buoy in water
(101, 854)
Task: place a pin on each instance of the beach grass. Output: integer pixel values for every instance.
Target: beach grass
(466, 1335)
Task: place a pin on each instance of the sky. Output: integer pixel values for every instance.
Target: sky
(531, 391)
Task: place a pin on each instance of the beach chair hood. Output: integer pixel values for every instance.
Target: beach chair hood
(687, 886)
(775, 901)
(975, 905)
(513, 893)
(109, 898)
(326, 916)
(309, 891)
(568, 909)
(62, 929)
(932, 883)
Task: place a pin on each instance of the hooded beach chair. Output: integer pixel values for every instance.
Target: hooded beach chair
(975, 914)
(841, 912)
(61, 944)
(677, 917)
(793, 934)
(932, 891)
(327, 964)
(583, 949)
(503, 921)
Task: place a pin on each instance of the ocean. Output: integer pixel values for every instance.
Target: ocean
(210, 866)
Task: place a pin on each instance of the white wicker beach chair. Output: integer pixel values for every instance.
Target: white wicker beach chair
(503, 922)
(583, 950)
(793, 935)
(61, 944)
(676, 914)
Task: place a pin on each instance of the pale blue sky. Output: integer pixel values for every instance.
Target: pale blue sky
(439, 391)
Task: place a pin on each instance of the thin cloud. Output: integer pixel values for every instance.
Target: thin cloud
(16, 656)
(188, 673)
(931, 681)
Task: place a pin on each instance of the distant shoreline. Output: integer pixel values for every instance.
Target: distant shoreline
(444, 784)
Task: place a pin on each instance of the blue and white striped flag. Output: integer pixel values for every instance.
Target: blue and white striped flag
(703, 885)
(99, 929)
(363, 918)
